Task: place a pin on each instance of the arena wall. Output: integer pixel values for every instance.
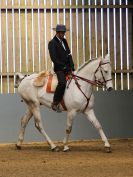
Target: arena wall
(113, 109)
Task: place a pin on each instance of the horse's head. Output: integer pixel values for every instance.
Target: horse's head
(103, 73)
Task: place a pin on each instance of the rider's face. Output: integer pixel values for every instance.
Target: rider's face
(61, 34)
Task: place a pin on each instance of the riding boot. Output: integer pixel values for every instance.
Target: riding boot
(55, 106)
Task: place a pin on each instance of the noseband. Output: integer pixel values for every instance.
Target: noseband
(104, 80)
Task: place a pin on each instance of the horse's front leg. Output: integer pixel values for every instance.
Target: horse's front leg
(70, 117)
(91, 116)
(24, 121)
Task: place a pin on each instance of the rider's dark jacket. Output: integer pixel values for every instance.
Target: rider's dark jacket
(60, 56)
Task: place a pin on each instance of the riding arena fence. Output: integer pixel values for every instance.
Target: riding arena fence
(96, 27)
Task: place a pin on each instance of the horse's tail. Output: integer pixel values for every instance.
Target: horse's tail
(18, 78)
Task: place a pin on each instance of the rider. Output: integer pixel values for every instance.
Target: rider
(63, 62)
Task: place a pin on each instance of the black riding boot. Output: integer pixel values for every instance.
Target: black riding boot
(55, 106)
(59, 92)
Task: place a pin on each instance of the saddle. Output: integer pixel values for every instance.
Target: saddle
(51, 83)
(48, 79)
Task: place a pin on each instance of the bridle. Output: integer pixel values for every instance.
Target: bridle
(96, 82)
(104, 80)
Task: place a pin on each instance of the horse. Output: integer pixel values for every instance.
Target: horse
(78, 97)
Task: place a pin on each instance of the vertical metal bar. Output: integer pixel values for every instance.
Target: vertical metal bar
(39, 36)
(7, 55)
(102, 28)
(33, 56)
(70, 2)
(51, 19)
(77, 31)
(13, 34)
(20, 45)
(89, 10)
(1, 54)
(96, 26)
(96, 32)
(114, 19)
(26, 37)
(64, 12)
(58, 12)
(108, 27)
(45, 33)
(121, 39)
(83, 33)
(102, 31)
(127, 47)
(51, 22)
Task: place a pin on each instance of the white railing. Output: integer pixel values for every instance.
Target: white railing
(96, 27)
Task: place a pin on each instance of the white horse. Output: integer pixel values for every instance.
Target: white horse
(78, 97)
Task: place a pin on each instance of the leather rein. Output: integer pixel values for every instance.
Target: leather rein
(96, 82)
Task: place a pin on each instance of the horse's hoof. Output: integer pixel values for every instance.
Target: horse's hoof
(18, 147)
(55, 149)
(66, 149)
(108, 149)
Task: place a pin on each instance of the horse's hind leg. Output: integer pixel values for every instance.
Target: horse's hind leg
(39, 125)
(24, 121)
(70, 117)
(91, 116)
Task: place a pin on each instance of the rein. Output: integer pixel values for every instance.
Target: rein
(76, 78)
(96, 82)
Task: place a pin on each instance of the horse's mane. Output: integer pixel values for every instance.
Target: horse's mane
(84, 64)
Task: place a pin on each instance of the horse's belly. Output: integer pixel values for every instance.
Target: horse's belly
(44, 97)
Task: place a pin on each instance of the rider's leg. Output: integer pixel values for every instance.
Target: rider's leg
(60, 89)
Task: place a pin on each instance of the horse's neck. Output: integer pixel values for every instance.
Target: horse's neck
(88, 71)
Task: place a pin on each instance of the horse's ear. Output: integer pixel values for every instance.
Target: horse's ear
(107, 56)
